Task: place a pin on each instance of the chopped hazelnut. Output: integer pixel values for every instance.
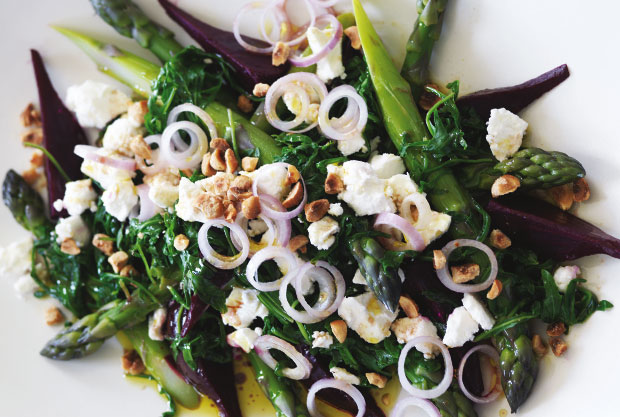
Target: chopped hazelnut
(581, 190)
(230, 211)
(118, 260)
(132, 363)
(69, 247)
(298, 242)
(53, 316)
(37, 158)
(249, 163)
(210, 205)
(104, 243)
(439, 259)
(496, 289)
(427, 98)
(280, 54)
(558, 346)
(251, 207)
(181, 242)
(240, 188)
(339, 329)
(292, 175)
(219, 143)
(294, 197)
(499, 240)
(34, 135)
(231, 161)
(139, 147)
(137, 111)
(504, 185)
(376, 379)
(260, 89)
(333, 184)
(128, 271)
(205, 166)
(464, 273)
(217, 160)
(563, 196)
(409, 306)
(244, 104)
(316, 210)
(539, 346)
(30, 116)
(354, 36)
(556, 329)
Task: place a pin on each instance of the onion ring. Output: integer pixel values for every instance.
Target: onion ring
(157, 162)
(403, 404)
(262, 345)
(448, 373)
(214, 258)
(269, 238)
(269, 207)
(148, 209)
(92, 153)
(446, 279)
(305, 61)
(351, 124)
(189, 157)
(492, 393)
(191, 108)
(345, 387)
(419, 201)
(266, 254)
(283, 226)
(413, 238)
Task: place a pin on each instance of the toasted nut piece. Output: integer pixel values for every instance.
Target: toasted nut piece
(30, 116)
(339, 329)
(181, 242)
(218, 161)
(496, 289)
(251, 207)
(280, 54)
(37, 158)
(249, 163)
(316, 210)
(292, 175)
(333, 184)
(581, 190)
(232, 196)
(104, 243)
(558, 346)
(128, 271)
(230, 211)
(53, 316)
(137, 111)
(409, 306)
(231, 161)
(439, 259)
(499, 240)
(140, 147)
(464, 273)
(563, 196)
(294, 197)
(244, 104)
(32, 175)
(210, 205)
(34, 135)
(298, 242)
(376, 379)
(260, 89)
(132, 363)
(504, 185)
(219, 143)
(539, 346)
(118, 260)
(354, 36)
(427, 98)
(556, 329)
(69, 247)
(240, 188)
(385, 399)
(187, 172)
(205, 166)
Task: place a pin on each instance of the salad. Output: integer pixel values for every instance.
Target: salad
(301, 202)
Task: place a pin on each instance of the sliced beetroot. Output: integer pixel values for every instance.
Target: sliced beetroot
(516, 97)
(216, 381)
(251, 68)
(188, 320)
(61, 132)
(334, 397)
(549, 231)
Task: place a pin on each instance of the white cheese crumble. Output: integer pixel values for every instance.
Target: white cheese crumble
(367, 316)
(164, 187)
(478, 311)
(505, 132)
(243, 307)
(321, 339)
(335, 209)
(344, 375)
(438, 224)
(156, 324)
(15, 258)
(120, 198)
(331, 66)
(350, 146)
(95, 103)
(243, 339)
(272, 180)
(564, 275)
(72, 227)
(407, 328)
(387, 165)
(119, 134)
(322, 233)
(358, 278)
(105, 175)
(398, 187)
(79, 196)
(461, 328)
(257, 227)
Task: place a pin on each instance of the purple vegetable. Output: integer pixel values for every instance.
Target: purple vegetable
(335, 397)
(251, 68)
(548, 230)
(61, 132)
(189, 318)
(516, 97)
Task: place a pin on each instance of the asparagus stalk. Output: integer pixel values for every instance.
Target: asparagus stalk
(129, 20)
(426, 31)
(25, 204)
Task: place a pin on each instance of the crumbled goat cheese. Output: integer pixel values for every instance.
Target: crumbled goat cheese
(164, 187)
(335, 209)
(189, 192)
(505, 133)
(322, 340)
(331, 66)
(387, 165)
(350, 146)
(156, 324)
(344, 375)
(272, 180)
(243, 339)
(120, 199)
(72, 227)
(438, 224)
(461, 328)
(15, 258)
(257, 227)
(398, 187)
(407, 328)
(358, 278)
(119, 134)
(478, 311)
(105, 175)
(322, 233)
(367, 316)
(79, 196)
(243, 307)
(294, 104)
(95, 103)
(564, 275)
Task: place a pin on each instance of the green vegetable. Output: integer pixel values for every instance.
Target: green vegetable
(25, 204)
(153, 354)
(129, 20)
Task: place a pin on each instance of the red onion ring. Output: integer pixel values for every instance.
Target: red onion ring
(444, 274)
(419, 201)
(270, 237)
(214, 258)
(447, 376)
(413, 238)
(237, 24)
(157, 163)
(189, 157)
(283, 226)
(268, 202)
(280, 6)
(202, 115)
(267, 254)
(299, 61)
(425, 405)
(328, 306)
(491, 393)
(340, 128)
(345, 387)
(92, 153)
(303, 367)
(148, 209)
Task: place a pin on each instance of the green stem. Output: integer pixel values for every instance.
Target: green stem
(50, 157)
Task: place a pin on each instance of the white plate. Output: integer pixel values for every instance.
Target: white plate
(484, 43)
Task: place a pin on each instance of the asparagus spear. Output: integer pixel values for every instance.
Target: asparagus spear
(426, 31)
(25, 204)
(129, 20)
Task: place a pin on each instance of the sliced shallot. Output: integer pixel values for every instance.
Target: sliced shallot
(351, 124)
(345, 387)
(444, 274)
(270, 206)
(148, 209)
(418, 200)
(156, 163)
(263, 344)
(403, 405)
(336, 26)
(283, 226)
(216, 259)
(413, 238)
(448, 372)
(492, 393)
(92, 153)
(269, 238)
(190, 156)
(200, 113)
(267, 254)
